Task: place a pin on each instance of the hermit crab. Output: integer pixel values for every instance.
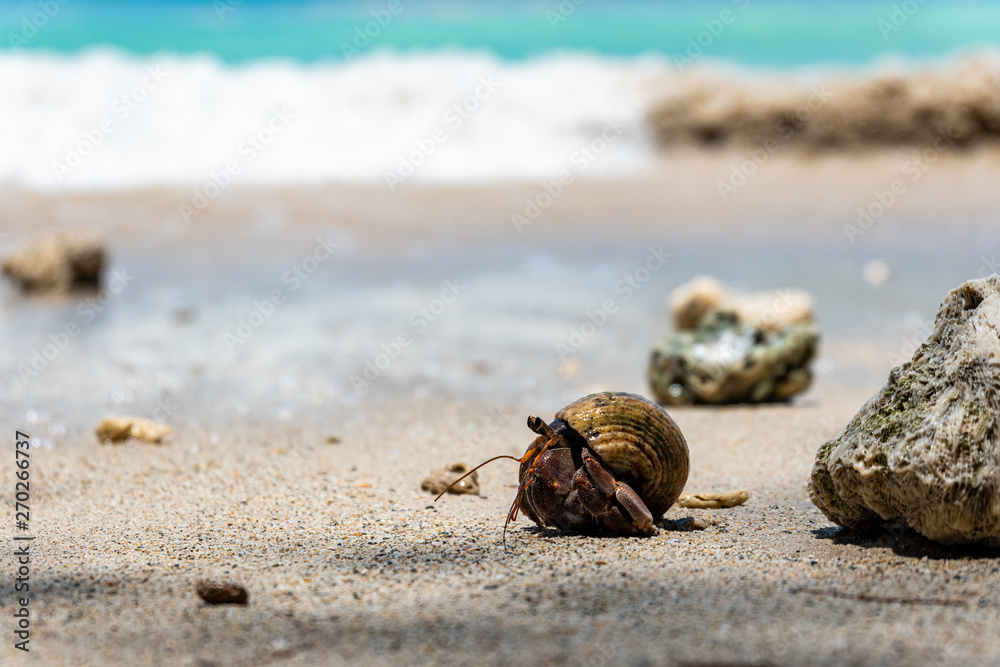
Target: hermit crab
(610, 463)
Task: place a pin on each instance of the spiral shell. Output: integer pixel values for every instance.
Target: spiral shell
(638, 441)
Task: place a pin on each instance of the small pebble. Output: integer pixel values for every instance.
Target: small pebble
(877, 272)
(688, 524)
(224, 592)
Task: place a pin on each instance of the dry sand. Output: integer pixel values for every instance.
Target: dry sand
(348, 562)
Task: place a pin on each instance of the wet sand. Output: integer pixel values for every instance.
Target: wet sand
(345, 559)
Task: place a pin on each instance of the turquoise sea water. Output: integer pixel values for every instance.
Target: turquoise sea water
(753, 32)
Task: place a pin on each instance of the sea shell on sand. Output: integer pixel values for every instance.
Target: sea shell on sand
(610, 462)
(925, 449)
(773, 310)
(57, 262)
(726, 362)
(118, 429)
(636, 438)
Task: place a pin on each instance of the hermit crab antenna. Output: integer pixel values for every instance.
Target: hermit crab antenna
(502, 456)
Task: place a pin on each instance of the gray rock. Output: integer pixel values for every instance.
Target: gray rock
(926, 448)
(726, 362)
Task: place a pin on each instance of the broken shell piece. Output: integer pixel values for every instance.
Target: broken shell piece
(713, 501)
(118, 429)
(772, 311)
(57, 262)
(445, 477)
(225, 592)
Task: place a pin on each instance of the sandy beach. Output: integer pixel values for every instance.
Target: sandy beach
(345, 559)
(348, 562)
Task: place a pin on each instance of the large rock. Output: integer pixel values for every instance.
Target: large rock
(926, 448)
(728, 362)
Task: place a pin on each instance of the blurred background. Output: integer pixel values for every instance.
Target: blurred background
(179, 86)
(476, 178)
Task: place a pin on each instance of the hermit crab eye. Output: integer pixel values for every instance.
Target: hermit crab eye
(560, 427)
(538, 425)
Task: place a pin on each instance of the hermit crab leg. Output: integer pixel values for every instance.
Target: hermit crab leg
(538, 425)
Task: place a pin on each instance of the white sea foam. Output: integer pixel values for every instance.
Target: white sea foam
(106, 120)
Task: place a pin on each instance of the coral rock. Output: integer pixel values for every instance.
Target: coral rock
(726, 362)
(926, 448)
(956, 104)
(694, 301)
(57, 262)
